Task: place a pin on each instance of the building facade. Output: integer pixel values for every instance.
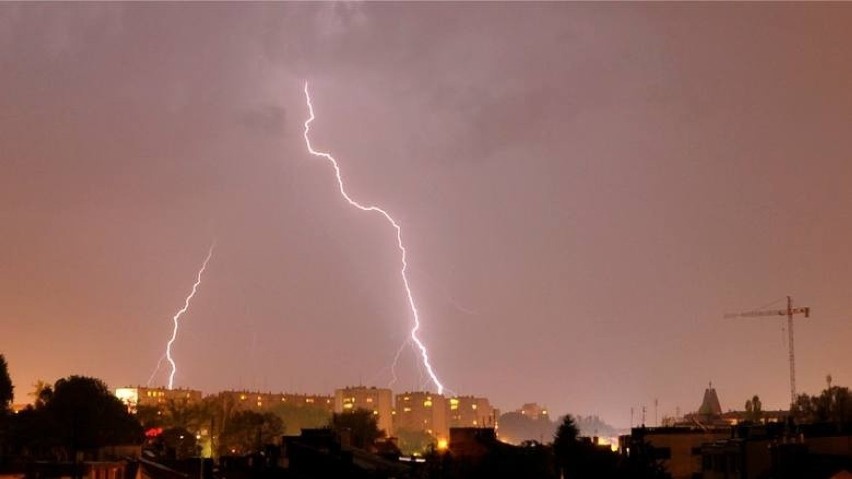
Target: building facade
(423, 411)
(257, 401)
(377, 400)
(471, 411)
(534, 411)
(133, 397)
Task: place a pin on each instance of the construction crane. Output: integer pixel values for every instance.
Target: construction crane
(789, 312)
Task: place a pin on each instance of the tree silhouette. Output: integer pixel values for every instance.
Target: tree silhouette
(84, 414)
(177, 443)
(42, 391)
(80, 415)
(248, 431)
(6, 388)
(360, 424)
(565, 446)
(753, 409)
(833, 405)
(301, 416)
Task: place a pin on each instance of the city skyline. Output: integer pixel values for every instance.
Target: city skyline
(584, 190)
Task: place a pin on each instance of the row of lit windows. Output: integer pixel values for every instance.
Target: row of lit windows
(243, 397)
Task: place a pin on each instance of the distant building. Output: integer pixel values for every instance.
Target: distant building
(710, 414)
(423, 411)
(534, 411)
(377, 400)
(265, 401)
(137, 396)
(710, 406)
(471, 411)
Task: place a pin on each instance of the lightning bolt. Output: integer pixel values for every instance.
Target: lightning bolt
(156, 368)
(396, 360)
(176, 317)
(423, 352)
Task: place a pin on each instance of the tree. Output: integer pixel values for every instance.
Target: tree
(150, 417)
(566, 434)
(753, 409)
(360, 424)
(248, 431)
(7, 389)
(42, 391)
(301, 416)
(804, 410)
(833, 405)
(414, 441)
(80, 415)
(87, 415)
(177, 443)
(565, 446)
(6, 396)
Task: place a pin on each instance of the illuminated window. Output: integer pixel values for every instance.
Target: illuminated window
(454, 404)
(375, 413)
(406, 409)
(473, 406)
(427, 403)
(347, 405)
(242, 397)
(309, 400)
(369, 399)
(259, 404)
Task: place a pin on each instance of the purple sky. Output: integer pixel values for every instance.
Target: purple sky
(584, 190)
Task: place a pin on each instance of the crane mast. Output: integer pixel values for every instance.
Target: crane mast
(790, 311)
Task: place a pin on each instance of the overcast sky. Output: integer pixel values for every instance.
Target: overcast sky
(584, 190)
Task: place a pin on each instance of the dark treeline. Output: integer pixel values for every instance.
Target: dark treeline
(71, 419)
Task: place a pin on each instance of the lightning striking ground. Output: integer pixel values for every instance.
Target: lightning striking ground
(423, 352)
(176, 317)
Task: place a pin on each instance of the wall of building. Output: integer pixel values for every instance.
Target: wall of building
(377, 400)
(423, 411)
(471, 411)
